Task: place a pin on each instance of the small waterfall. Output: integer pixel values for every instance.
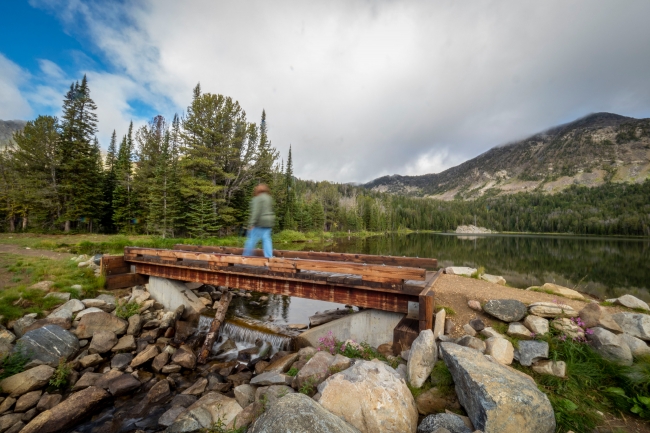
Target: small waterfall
(248, 336)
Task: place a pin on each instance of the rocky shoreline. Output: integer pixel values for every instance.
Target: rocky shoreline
(87, 370)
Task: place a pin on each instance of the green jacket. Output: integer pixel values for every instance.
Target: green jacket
(262, 211)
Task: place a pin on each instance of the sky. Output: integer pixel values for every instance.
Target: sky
(359, 89)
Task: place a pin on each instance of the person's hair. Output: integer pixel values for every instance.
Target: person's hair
(262, 187)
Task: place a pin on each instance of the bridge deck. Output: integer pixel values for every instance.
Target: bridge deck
(403, 286)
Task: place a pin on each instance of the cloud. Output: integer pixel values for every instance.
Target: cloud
(361, 89)
(14, 105)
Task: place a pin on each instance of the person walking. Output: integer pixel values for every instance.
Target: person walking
(260, 222)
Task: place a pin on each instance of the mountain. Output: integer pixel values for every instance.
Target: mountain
(7, 129)
(588, 151)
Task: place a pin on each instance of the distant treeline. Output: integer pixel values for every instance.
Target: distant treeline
(194, 176)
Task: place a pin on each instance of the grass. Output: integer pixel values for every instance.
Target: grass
(13, 363)
(480, 271)
(60, 377)
(17, 299)
(611, 388)
(308, 387)
(448, 311)
(293, 371)
(127, 309)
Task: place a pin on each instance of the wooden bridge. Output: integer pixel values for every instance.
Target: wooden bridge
(389, 283)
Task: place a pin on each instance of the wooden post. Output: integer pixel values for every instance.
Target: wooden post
(211, 336)
(426, 301)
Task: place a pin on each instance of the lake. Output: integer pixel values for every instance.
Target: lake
(604, 267)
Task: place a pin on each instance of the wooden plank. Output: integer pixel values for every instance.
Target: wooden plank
(112, 265)
(362, 297)
(415, 262)
(426, 300)
(393, 273)
(211, 336)
(122, 281)
(404, 333)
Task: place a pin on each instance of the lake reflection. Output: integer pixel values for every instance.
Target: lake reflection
(604, 267)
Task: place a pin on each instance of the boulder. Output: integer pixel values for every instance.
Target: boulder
(68, 412)
(29, 380)
(245, 394)
(27, 401)
(170, 416)
(197, 388)
(637, 347)
(184, 356)
(125, 344)
(460, 270)
(98, 303)
(123, 385)
(500, 349)
(435, 401)
(9, 421)
(269, 395)
(536, 325)
(562, 291)
(100, 321)
(633, 302)
(372, 397)
(7, 336)
(477, 324)
(422, 357)
(472, 342)
(7, 404)
(593, 315)
(568, 327)
(65, 297)
(88, 311)
(48, 344)
(62, 323)
(635, 324)
(48, 401)
(271, 378)
(439, 325)
(529, 352)
(21, 324)
(102, 342)
(42, 285)
(474, 305)
(517, 330)
(67, 310)
(496, 398)
(494, 279)
(297, 413)
(340, 363)
(315, 371)
(160, 361)
(207, 410)
(146, 355)
(553, 368)
(610, 346)
(88, 379)
(551, 309)
(508, 310)
(282, 364)
(90, 360)
(135, 325)
(469, 330)
(451, 422)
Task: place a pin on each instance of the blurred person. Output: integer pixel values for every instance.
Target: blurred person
(261, 221)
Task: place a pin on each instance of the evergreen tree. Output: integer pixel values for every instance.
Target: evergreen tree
(267, 155)
(80, 183)
(123, 199)
(317, 215)
(110, 179)
(289, 196)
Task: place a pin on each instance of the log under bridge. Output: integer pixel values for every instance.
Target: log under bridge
(388, 283)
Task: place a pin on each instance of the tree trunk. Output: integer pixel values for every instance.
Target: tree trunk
(211, 336)
(24, 223)
(66, 226)
(12, 224)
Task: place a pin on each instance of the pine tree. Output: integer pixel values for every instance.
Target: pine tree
(317, 215)
(110, 178)
(289, 196)
(80, 177)
(123, 200)
(267, 155)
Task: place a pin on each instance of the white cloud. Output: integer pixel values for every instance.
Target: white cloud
(362, 89)
(13, 104)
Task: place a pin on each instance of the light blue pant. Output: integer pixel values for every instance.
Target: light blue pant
(254, 236)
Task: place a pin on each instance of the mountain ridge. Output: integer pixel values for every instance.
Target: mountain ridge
(7, 129)
(590, 151)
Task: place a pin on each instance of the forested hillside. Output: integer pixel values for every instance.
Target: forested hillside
(193, 176)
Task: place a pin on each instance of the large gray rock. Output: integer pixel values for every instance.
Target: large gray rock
(315, 371)
(21, 324)
(422, 357)
(297, 413)
(372, 397)
(610, 346)
(67, 310)
(535, 324)
(496, 398)
(635, 324)
(271, 378)
(508, 310)
(630, 301)
(637, 346)
(27, 381)
(529, 352)
(500, 349)
(207, 410)
(48, 344)
(551, 309)
(100, 321)
(68, 412)
(453, 424)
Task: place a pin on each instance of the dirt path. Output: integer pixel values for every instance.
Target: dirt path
(15, 249)
(454, 291)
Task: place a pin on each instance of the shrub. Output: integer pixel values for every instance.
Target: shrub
(293, 371)
(13, 363)
(60, 377)
(126, 310)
